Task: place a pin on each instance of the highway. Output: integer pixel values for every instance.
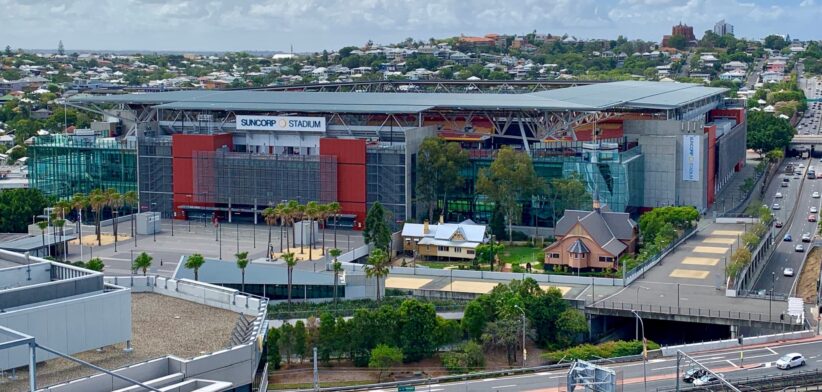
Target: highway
(785, 255)
(661, 372)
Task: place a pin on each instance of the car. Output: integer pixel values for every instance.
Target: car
(815, 195)
(806, 237)
(787, 238)
(788, 271)
(814, 209)
(791, 360)
(778, 224)
(801, 165)
(778, 195)
(799, 248)
(812, 218)
(707, 379)
(784, 184)
(692, 374)
(776, 206)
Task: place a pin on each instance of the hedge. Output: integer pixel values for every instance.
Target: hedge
(613, 349)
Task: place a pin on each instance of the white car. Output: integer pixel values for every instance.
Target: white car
(778, 195)
(806, 237)
(815, 195)
(799, 248)
(707, 379)
(776, 206)
(787, 271)
(791, 360)
(814, 210)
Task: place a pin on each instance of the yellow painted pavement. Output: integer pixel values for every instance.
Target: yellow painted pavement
(722, 241)
(710, 249)
(727, 232)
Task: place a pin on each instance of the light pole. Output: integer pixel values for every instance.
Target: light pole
(770, 299)
(524, 351)
(154, 219)
(644, 352)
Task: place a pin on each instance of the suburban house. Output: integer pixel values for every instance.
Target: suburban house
(592, 239)
(443, 241)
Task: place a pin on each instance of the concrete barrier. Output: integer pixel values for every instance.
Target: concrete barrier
(733, 343)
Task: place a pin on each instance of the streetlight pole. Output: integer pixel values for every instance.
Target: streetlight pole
(644, 353)
(524, 351)
(770, 299)
(154, 219)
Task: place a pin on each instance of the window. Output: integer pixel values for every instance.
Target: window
(470, 251)
(442, 248)
(553, 255)
(606, 259)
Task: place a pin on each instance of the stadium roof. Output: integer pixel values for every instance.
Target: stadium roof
(595, 97)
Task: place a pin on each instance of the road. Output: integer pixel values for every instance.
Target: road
(661, 372)
(785, 255)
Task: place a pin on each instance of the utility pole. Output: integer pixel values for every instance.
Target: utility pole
(316, 372)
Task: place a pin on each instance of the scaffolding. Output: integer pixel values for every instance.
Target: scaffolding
(156, 174)
(236, 179)
(386, 179)
(61, 166)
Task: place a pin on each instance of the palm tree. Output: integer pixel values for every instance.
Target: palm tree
(334, 209)
(97, 201)
(337, 266)
(299, 213)
(378, 267)
(270, 216)
(312, 210)
(290, 261)
(142, 262)
(59, 223)
(242, 263)
(61, 208)
(95, 264)
(43, 225)
(195, 261)
(323, 217)
(79, 202)
(279, 213)
(114, 201)
(130, 199)
(292, 209)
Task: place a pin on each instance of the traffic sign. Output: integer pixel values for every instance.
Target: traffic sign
(406, 388)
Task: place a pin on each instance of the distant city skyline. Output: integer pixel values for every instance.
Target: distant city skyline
(314, 25)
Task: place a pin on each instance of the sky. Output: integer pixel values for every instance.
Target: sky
(314, 25)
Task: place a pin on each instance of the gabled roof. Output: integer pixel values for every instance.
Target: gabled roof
(445, 232)
(578, 247)
(608, 229)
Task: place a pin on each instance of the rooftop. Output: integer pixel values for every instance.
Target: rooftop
(594, 97)
(161, 325)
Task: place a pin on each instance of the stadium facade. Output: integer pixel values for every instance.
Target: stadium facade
(232, 153)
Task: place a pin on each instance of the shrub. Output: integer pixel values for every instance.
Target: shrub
(465, 359)
(613, 349)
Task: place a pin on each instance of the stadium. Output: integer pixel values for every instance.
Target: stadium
(232, 153)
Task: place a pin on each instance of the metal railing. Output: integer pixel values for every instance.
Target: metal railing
(795, 381)
(637, 271)
(694, 312)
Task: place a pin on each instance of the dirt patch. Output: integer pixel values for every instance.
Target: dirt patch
(806, 288)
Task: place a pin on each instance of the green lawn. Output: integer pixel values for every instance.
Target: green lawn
(522, 255)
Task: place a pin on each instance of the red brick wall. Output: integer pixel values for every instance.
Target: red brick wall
(711, 167)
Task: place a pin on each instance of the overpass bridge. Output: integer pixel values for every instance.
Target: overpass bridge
(801, 143)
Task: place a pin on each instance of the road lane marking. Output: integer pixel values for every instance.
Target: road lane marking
(732, 364)
(689, 274)
(771, 350)
(505, 386)
(488, 379)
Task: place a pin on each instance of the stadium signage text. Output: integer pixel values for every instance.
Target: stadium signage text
(690, 157)
(281, 123)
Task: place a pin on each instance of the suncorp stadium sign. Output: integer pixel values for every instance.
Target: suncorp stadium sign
(281, 123)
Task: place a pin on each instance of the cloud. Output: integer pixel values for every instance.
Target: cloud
(320, 24)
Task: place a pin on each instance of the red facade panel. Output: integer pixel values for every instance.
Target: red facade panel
(182, 151)
(737, 114)
(351, 175)
(711, 164)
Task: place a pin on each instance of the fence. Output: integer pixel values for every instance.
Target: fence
(733, 343)
(695, 312)
(759, 258)
(506, 276)
(794, 381)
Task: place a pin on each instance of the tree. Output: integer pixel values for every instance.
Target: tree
(18, 206)
(97, 201)
(337, 267)
(378, 267)
(300, 340)
(130, 200)
(142, 262)
(242, 263)
(79, 202)
(767, 132)
(59, 223)
(474, 319)
(194, 262)
(439, 164)
(95, 264)
(376, 230)
(504, 333)
(114, 201)
(418, 329)
(653, 222)
(290, 262)
(544, 310)
(327, 332)
(677, 41)
(384, 357)
(272, 343)
(43, 225)
(510, 179)
(287, 341)
(334, 209)
(775, 42)
(570, 325)
(485, 253)
(567, 194)
(312, 211)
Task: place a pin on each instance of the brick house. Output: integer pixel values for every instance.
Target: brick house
(592, 239)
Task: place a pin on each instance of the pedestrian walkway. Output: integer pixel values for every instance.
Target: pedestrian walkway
(731, 196)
